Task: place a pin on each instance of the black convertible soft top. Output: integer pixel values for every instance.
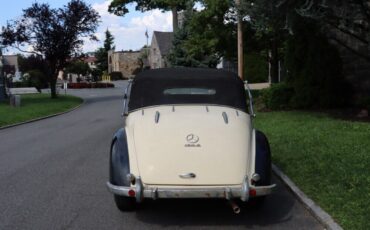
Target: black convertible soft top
(171, 86)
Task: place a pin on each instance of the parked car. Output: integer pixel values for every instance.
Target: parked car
(187, 133)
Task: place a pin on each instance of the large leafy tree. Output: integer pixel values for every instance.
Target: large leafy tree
(101, 54)
(205, 36)
(37, 69)
(344, 21)
(347, 22)
(119, 7)
(270, 22)
(54, 34)
(78, 67)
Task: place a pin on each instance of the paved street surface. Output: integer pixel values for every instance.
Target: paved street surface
(53, 174)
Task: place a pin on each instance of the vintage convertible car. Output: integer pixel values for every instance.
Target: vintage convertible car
(187, 134)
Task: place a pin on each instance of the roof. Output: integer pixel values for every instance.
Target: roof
(149, 88)
(10, 60)
(89, 59)
(164, 41)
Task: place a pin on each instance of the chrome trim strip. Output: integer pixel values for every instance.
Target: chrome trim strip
(187, 175)
(195, 104)
(250, 99)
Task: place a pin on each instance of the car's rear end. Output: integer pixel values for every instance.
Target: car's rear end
(189, 136)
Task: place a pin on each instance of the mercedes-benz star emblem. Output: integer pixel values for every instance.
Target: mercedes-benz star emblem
(191, 138)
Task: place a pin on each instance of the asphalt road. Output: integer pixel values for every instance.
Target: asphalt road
(53, 174)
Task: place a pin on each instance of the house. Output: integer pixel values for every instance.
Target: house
(91, 61)
(11, 67)
(159, 49)
(126, 62)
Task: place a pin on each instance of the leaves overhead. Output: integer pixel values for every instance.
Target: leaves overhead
(119, 7)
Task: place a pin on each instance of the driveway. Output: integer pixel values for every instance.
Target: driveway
(53, 174)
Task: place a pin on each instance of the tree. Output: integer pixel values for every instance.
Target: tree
(269, 20)
(78, 67)
(36, 70)
(205, 36)
(315, 68)
(109, 41)
(344, 21)
(119, 7)
(347, 21)
(101, 54)
(54, 34)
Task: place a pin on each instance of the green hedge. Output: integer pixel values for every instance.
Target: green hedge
(278, 96)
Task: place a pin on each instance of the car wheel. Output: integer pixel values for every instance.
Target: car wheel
(125, 204)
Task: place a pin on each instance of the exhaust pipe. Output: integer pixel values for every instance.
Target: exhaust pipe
(234, 206)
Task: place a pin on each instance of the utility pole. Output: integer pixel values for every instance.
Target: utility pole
(240, 43)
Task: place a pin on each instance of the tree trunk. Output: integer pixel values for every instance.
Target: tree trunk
(274, 61)
(53, 91)
(175, 20)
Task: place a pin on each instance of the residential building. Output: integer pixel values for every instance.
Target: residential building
(91, 61)
(126, 62)
(159, 49)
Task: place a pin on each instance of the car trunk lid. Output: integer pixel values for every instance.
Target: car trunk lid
(192, 145)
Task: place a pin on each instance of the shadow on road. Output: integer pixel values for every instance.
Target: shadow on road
(192, 212)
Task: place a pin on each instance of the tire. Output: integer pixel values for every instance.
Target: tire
(125, 204)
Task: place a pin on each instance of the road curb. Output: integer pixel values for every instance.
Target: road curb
(322, 216)
(43, 118)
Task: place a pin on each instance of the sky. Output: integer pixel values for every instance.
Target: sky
(128, 31)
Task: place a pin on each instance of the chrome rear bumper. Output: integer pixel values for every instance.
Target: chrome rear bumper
(243, 192)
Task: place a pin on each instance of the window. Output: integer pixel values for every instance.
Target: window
(189, 91)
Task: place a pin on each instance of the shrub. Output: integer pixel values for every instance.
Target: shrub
(364, 103)
(20, 84)
(33, 78)
(114, 76)
(278, 96)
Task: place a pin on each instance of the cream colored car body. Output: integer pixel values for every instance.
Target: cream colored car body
(190, 150)
(159, 151)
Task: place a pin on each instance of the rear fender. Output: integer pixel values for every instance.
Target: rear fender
(119, 164)
(263, 159)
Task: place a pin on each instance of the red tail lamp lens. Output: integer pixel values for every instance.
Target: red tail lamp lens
(252, 192)
(131, 193)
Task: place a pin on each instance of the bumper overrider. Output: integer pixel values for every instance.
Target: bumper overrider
(139, 191)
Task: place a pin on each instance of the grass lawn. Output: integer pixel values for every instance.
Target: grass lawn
(328, 159)
(35, 106)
